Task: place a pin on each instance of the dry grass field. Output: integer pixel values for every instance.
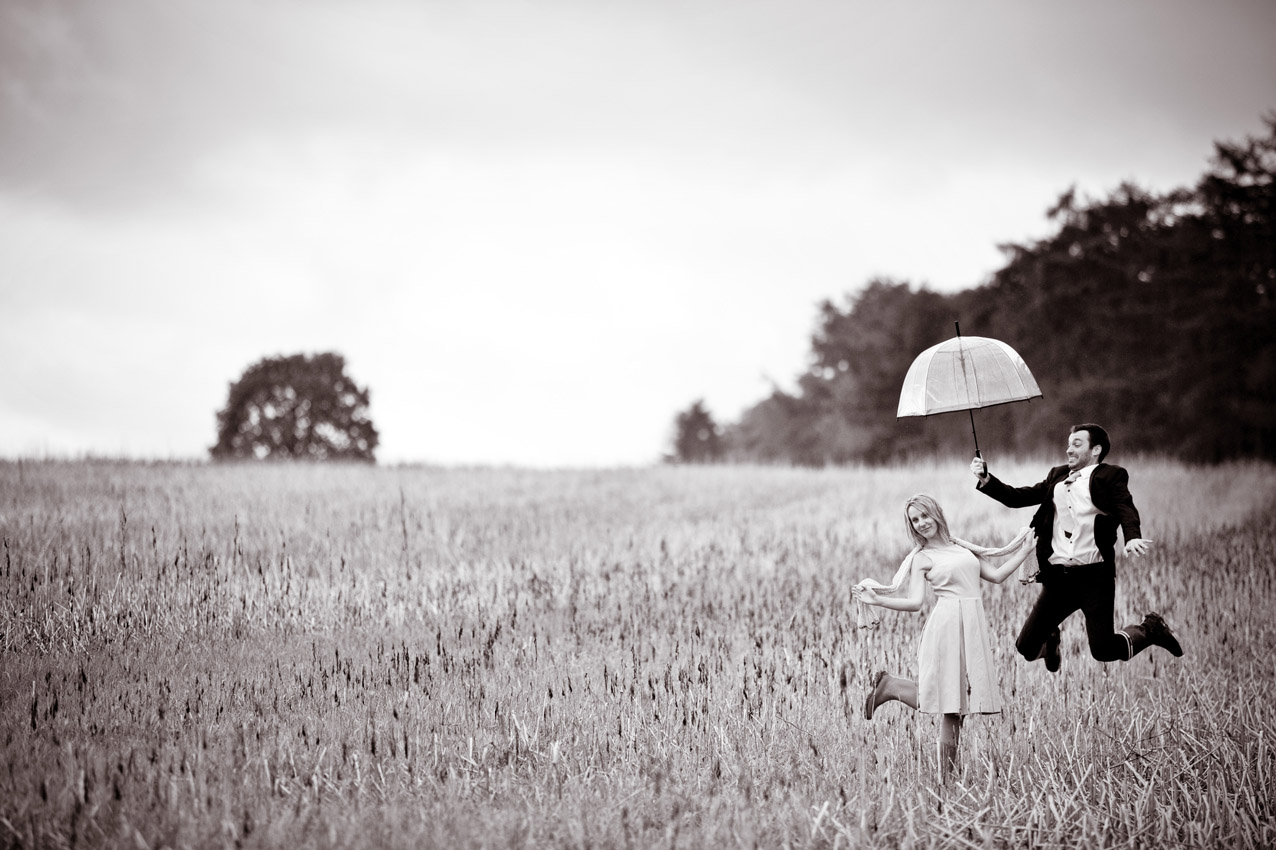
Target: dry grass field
(275, 656)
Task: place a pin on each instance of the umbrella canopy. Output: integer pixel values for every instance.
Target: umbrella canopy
(965, 373)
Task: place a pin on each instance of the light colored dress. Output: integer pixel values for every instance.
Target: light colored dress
(955, 663)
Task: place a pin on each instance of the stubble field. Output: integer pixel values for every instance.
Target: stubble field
(277, 656)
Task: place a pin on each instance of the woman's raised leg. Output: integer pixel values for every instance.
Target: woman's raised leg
(885, 688)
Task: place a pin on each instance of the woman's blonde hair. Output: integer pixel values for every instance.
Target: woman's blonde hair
(930, 506)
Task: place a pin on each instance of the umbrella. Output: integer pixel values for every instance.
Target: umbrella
(965, 373)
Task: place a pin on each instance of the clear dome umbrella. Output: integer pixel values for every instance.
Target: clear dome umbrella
(965, 373)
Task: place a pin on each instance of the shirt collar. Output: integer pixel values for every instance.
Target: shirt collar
(1084, 473)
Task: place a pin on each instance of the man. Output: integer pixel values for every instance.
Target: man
(1081, 505)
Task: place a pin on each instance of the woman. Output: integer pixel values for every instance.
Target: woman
(955, 663)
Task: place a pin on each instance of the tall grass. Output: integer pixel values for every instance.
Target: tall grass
(365, 657)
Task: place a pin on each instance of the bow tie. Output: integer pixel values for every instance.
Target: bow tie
(1072, 476)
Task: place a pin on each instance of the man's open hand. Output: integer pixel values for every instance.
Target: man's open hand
(1138, 546)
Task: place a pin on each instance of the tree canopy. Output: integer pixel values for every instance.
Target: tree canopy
(697, 438)
(300, 407)
(1152, 314)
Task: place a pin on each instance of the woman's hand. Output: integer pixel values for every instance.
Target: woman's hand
(1017, 558)
(1026, 551)
(867, 595)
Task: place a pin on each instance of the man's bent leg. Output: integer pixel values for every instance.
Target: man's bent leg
(1052, 607)
(1098, 598)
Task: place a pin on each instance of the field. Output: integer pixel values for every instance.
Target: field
(208, 656)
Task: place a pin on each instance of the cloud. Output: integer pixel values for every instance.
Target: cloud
(538, 229)
(115, 104)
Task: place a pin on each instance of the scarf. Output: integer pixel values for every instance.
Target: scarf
(867, 617)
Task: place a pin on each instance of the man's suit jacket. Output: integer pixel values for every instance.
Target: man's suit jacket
(1109, 490)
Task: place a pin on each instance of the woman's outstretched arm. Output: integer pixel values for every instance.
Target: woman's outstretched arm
(911, 601)
(997, 574)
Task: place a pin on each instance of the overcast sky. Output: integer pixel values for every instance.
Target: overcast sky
(538, 230)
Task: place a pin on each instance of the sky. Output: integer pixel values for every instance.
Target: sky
(537, 231)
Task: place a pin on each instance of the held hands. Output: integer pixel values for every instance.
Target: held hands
(1138, 546)
(979, 469)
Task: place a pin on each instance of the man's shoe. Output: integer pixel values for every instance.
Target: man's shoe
(1051, 653)
(1160, 634)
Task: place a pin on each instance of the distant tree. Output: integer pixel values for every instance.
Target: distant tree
(301, 407)
(859, 358)
(778, 429)
(697, 438)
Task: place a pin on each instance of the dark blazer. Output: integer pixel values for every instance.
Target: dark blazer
(1109, 490)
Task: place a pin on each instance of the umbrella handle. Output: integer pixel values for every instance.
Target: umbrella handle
(973, 434)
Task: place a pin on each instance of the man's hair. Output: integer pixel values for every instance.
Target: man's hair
(930, 506)
(1098, 437)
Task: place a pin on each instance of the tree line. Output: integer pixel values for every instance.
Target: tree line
(1149, 313)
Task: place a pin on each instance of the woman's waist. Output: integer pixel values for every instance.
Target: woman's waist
(956, 596)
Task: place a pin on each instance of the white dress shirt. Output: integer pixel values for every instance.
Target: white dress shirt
(1074, 515)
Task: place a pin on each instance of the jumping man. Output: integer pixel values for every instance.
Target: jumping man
(1081, 505)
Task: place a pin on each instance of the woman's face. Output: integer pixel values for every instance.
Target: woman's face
(923, 523)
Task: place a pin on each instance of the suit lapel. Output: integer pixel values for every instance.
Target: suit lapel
(1098, 494)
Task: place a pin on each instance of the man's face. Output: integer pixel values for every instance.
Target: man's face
(1080, 453)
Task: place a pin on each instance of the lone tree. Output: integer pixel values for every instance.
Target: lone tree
(300, 407)
(697, 438)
